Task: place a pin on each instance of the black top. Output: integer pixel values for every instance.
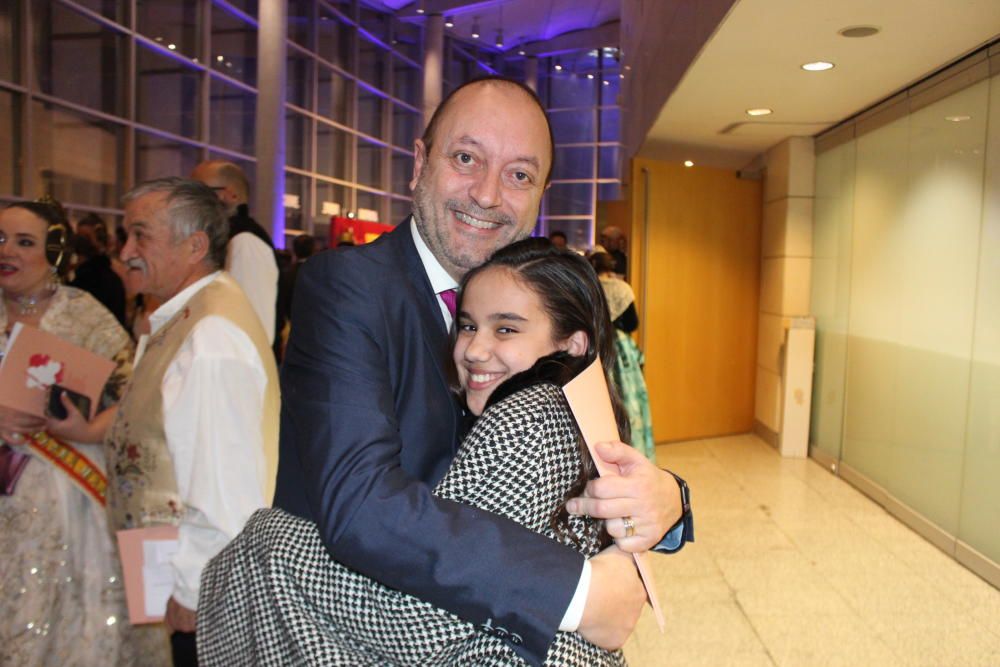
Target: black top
(96, 276)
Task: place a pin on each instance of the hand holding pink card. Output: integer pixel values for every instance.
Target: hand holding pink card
(590, 402)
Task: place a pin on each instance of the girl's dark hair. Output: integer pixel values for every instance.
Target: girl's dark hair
(58, 234)
(573, 298)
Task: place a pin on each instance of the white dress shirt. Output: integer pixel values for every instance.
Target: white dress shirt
(251, 263)
(213, 397)
(440, 281)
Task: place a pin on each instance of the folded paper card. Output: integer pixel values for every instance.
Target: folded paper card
(35, 360)
(590, 403)
(149, 578)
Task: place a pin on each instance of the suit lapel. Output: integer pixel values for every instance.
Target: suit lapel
(435, 335)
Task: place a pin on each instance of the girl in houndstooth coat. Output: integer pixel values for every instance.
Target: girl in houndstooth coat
(528, 321)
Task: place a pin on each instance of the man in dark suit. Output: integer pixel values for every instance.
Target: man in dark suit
(369, 424)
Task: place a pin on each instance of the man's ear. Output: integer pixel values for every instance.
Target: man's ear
(419, 161)
(576, 344)
(199, 246)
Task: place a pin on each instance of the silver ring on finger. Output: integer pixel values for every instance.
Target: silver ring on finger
(629, 525)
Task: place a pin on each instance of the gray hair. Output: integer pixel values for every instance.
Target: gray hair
(191, 207)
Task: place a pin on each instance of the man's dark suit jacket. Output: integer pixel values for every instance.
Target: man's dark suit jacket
(368, 426)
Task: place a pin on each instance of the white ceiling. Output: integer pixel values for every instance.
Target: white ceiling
(754, 57)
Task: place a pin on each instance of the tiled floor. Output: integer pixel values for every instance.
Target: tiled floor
(793, 566)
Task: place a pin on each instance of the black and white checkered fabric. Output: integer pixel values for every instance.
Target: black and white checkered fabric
(275, 597)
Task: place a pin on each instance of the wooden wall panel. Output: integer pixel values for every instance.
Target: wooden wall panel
(696, 266)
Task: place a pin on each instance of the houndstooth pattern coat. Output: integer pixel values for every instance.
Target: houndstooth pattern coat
(274, 596)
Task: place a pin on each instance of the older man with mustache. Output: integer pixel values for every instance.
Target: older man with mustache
(194, 441)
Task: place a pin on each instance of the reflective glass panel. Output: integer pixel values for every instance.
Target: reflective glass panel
(407, 39)
(156, 157)
(335, 39)
(569, 199)
(171, 24)
(402, 172)
(333, 151)
(167, 93)
(370, 110)
(296, 200)
(573, 127)
(371, 67)
(405, 126)
(608, 162)
(300, 22)
(573, 163)
(231, 112)
(610, 125)
(298, 79)
(406, 82)
(370, 163)
(234, 46)
(334, 96)
(78, 59)
(568, 89)
(8, 157)
(297, 140)
(10, 31)
(77, 158)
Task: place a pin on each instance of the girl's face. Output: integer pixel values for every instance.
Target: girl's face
(23, 267)
(503, 329)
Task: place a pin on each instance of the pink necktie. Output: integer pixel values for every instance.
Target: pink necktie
(449, 296)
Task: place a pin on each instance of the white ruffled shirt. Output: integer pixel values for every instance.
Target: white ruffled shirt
(213, 396)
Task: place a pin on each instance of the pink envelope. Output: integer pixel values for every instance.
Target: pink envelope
(131, 548)
(590, 402)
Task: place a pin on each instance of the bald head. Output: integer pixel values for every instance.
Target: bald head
(226, 179)
(508, 86)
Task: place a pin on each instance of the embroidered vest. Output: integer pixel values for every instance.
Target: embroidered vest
(142, 488)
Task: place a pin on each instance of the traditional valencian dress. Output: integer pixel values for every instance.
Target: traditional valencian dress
(628, 364)
(61, 596)
(275, 597)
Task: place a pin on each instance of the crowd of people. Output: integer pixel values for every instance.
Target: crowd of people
(425, 496)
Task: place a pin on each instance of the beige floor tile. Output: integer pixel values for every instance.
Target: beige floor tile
(821, 640)
(793, 566)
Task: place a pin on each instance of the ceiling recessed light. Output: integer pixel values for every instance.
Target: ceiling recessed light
(590, 76)
(448, 22)
(688, 163)
(818, 66)
(522, 52)
(606, 82)
(859, 31)
(761, 111)
(957, 119)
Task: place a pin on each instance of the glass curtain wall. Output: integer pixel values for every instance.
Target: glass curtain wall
(906, 290)
(580, 91)
(97, 95)
(109, 96)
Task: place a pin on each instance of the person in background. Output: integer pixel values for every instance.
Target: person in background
(614, 242)
(629, 360)
(63, 601)
(250, 256)
(303, 247)
(558, 239)
(93, 272)
(194, 441)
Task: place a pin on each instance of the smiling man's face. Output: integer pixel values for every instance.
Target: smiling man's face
(479, 186)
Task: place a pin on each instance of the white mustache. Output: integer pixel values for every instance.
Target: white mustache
(136, 263)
